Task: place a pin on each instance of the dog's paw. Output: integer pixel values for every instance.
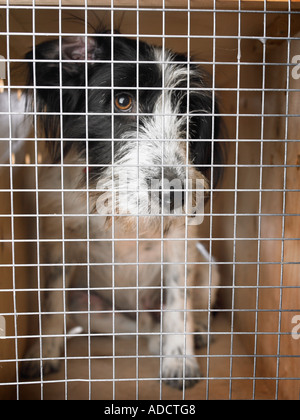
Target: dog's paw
(31, 369)
(176, 376)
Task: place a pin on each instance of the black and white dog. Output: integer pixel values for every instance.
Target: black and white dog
(118, 114)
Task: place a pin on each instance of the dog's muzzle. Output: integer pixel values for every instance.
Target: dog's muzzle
(169, 191)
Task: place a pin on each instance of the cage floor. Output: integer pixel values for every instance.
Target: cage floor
(230, 370)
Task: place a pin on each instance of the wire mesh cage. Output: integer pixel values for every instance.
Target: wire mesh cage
(102, 302)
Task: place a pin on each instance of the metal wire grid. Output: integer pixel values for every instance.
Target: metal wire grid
(13, 241)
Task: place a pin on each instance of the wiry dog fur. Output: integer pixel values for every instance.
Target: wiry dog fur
(80, 84)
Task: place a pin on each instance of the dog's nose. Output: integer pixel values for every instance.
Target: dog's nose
(171, 198)
(167, 191)
(172, 192)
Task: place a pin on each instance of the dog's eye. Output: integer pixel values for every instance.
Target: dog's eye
(123, 102)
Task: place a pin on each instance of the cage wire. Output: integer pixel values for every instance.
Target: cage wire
(250, 231)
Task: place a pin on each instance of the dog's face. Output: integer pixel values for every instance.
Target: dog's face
(143, 119)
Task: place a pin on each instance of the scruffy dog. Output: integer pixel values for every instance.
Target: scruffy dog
(119, 251)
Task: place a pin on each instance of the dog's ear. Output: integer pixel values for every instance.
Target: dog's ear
(45, 68)
(79, 48)
(57, 64)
